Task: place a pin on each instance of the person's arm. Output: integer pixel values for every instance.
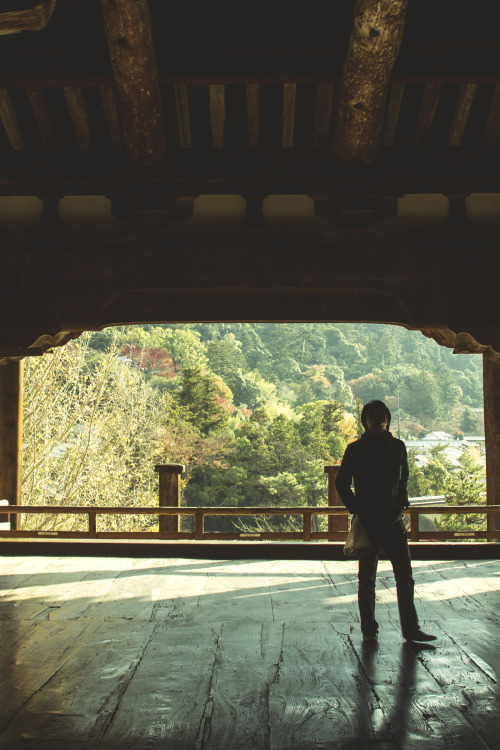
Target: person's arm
(403, 483)
(344, 480)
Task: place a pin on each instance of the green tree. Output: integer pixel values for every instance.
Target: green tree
(200, 401)
(468, 422)
(90, 435)
(464, 487)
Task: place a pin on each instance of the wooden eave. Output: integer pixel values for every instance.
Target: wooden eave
(198, 104)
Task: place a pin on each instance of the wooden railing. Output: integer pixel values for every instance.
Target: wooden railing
(306, 534)
(169, 511)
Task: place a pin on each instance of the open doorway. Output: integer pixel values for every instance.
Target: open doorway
(253, 410)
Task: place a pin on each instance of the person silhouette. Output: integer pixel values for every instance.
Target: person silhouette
(377, 464)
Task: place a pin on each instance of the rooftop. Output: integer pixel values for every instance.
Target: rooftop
(187, 653)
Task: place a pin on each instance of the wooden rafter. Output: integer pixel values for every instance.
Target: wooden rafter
(323, 113)
(492, 127)
(428, 109)
(289, 96)
(373, 48)
(29, 19)
(10, 120)
(253, 114)
(130, 43)
(217, 95)
(183, 118)
(77, 108)
(462, 111)
(41, 111)
(112, 118)
(392, 117)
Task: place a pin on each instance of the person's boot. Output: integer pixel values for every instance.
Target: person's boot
(419, 635)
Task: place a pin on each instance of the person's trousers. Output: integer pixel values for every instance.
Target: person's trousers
(393, 540)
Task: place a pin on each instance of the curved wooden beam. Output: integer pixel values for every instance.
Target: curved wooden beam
(30, 19)
(131, 50)
(461, 343)
(373, 48)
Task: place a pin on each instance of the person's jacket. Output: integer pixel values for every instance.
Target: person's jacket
(378, 467)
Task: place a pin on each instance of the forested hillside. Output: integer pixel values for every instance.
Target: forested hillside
(255, 411)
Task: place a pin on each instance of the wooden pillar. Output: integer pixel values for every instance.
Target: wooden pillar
(491, 388)
(335, 523)
(170, 494)
(11, 420)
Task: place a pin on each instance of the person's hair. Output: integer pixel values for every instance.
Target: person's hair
(372, 406)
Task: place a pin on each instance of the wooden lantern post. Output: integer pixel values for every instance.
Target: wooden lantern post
(491, 390)
(335, 523)
(170, 494)
(11, 420)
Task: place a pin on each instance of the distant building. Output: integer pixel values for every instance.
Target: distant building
(453, 447)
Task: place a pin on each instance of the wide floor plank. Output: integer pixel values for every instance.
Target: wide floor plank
(265, 655)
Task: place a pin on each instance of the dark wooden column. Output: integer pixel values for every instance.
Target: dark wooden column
(170, 494)
(335, 523)
(11, 420)
(373, 48)
(491, 386)
(131, 49)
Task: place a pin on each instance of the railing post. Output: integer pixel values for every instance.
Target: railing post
(11, 420)
(169, 494)
(306, 526)
(414, 525)
(335, 523)
(92, 525)
(198, 525)
(491, 395)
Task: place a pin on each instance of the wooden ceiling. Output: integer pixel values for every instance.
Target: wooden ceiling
(154, 103)
(224, 97)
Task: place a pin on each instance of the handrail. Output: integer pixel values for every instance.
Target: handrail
(200, 512)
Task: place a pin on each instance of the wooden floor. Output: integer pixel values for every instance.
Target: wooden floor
(143, 653)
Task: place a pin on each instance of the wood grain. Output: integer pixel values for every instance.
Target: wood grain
(41, 111)
(108, 102)
(253, 114)
(29, 19)
(288, 126)
(77, 108)
(11, 425)
(218, 654)
(373, 48)
(492, 127)
(131, 49)
(491, 390)
(183, 116)
(323, 113)
(428, 109)
(461, 114)
(10, 121)
(217, 98)
(392, 116)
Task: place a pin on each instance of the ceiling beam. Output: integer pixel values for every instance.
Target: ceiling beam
(462, 111)
(291, 173)
(217, 98)
(183, 116)
(77, 109)
(428, 109)
(373, 48)
(110, 110)
(41, 112)
(392, 116)
(253, 114)
(29, 19)
(323, 113)
(8, 116)
(288, 124)
(131, 50)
